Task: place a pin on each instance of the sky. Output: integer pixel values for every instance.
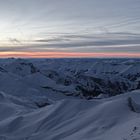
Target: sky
(69, 28)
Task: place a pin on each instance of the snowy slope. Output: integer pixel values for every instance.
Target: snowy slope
(67, 119)
(46, 99)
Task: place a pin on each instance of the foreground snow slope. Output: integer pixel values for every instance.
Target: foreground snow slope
(67, 119)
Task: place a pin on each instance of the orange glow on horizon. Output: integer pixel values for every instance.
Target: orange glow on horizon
(65, 54)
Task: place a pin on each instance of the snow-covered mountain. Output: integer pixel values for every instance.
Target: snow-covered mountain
(84, 78)
(64, 99)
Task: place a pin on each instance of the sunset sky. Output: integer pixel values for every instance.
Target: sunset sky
(69, 28)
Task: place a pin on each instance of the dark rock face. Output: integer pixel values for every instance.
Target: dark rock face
(138, 85)
(2, 69)
(135, 107)
(21, 67)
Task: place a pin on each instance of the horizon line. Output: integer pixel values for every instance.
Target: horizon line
(68, 55)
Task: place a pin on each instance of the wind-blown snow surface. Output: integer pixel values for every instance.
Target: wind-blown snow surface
(46, 99)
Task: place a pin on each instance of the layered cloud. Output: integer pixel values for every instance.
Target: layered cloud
(109, 42)
(69, 26)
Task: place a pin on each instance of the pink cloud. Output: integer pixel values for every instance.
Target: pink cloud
(65, 54)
